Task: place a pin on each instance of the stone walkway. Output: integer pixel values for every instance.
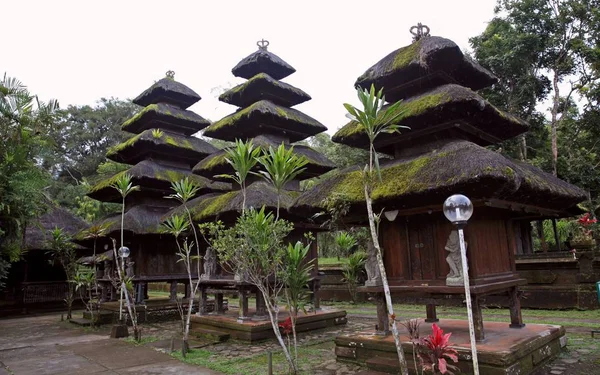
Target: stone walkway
(43, 345)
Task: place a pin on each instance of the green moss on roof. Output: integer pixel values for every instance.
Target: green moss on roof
(149, 108)
(215, 205)
(409, 109)
(395, 180)
(406, 55)
(121, 146)
(263, 106)
(148, 135)
(245, 85)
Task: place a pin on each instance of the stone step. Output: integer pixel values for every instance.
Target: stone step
(384, 365)
(210, 334)
(81, 322)
(371, 372)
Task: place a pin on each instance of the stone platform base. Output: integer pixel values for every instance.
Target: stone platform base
(255, 329)
(153, 311)
(506, 351)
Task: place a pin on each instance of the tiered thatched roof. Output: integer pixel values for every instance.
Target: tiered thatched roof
(449, 167)
(451, 108)
(216, 164)
(265, 117)
(153, 143)
(37, 231)
(424, 64)
(155, 179)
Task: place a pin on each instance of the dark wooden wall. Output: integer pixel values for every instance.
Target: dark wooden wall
(414, 247)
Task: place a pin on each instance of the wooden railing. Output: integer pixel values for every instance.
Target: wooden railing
(44, 291)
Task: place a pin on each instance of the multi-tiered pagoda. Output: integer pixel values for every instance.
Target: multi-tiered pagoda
(442, 154)
(265, 117)
(162, 151)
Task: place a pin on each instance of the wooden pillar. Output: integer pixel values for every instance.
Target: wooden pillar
(556, 239)
(540, 230)
(188, 289)
(261, 308)
(243, 297)
(219, 303)
(104, 292)
(431, 313)
(173, 292)
(316, 300)
(516, 320)
(203, 301)
(146, 291)
(478, 319)
(383, 320)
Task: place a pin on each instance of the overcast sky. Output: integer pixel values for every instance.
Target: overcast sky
(79, 51)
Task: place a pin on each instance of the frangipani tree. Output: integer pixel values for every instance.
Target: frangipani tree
(376, 120)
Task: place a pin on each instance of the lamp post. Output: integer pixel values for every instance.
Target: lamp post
(458, 210)
(124, 252)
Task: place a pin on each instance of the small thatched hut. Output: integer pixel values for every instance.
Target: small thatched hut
(35, 279)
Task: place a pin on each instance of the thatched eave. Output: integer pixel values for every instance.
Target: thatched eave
(449, 168)
(227, 206)
(37, 232)
(262, 86)
(262, 61)
(422, 65)
(448, 104)
(154, 179)
(265, 117)
(165, 116)
(154, 142)
(167, 90)
(216, 164)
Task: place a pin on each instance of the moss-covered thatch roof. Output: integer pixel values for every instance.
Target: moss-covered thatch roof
(142, 219)
(154, 180)
(263, 86)
(227, 206)
(37, 231)
(422, 65)
(153, 143)
(165, 116)
(262, 61)
(455, 106)
(167, 90)
(265, 117)
(216, 164)
(451, 167)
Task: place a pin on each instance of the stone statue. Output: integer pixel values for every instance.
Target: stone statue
(371, 266)
(210, 264)
(455, 276)
(129, 268)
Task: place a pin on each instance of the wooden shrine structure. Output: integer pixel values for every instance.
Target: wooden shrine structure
(443, 153)
(161, 151)
(266, 118)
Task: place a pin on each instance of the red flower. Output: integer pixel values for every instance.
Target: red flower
(585, 220)
(286, 326)
(438, 352)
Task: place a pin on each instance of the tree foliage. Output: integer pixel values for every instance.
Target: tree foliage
(24, 123)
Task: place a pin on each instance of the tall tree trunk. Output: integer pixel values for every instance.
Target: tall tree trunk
(554, 122)
(386, 287)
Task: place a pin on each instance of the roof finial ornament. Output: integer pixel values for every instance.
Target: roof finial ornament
(421, 31)
(262, 44)
(170, 74)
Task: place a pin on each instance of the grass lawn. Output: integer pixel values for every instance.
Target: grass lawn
(331, 261)
(308, 357)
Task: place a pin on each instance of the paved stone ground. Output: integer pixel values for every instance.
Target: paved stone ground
(42, 345)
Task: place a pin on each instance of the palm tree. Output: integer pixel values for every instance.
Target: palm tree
(376, 120)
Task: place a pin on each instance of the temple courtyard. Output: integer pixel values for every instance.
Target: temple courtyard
(43, 344)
